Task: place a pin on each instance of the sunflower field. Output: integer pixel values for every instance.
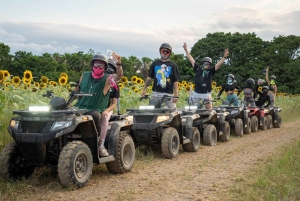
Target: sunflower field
(17, 93)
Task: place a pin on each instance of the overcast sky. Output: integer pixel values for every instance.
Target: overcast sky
(137, 27)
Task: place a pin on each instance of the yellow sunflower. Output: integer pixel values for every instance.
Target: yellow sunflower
(149, 91)
(183, 83)
(43, 85)
(187, 88)
(124, 79)
(133, 88)
(36, 84)
(139, 81)
(260, 89)
(27, 75)
(51, 83)
(136, 91)
(26, 81)
(6, 74)
(129, 92)
(1, 76)
(63, 80)
(54, 84)
(44, 79)
(34, 89)
(121, 85)
(133, 79)
(16, 80)
(64, 75)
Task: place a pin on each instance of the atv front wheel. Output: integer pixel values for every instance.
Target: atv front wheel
(254, 124)
(247, 129)
(170, 143)
(269, 120)
(265, 124)
(210, 135)
(194, 144)
(226, 135)
(277, 124)
(75, 164)
(125, 155)
(13, 165)
(239, 127)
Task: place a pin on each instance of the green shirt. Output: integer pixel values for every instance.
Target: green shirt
(90, 85)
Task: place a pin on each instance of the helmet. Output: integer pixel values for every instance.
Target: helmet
(273, 77)
(231, 75)
(265, 89)
(250, 81)
(112, 66)
(166, 45)
(99, 57)
(207, 59)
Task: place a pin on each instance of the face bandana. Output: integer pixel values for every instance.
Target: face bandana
(229, 81)
(97, 73)
(272, 82)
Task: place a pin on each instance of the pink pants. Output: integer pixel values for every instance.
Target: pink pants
(104, 125)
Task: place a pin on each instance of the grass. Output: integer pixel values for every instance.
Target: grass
(278, 179)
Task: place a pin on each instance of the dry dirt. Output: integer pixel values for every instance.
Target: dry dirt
(204, 175)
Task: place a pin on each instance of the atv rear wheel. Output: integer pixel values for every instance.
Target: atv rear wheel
(239, 127)
(254, 124)
(12, 164)
(265, 124)
(278, 123)
(226, 135)
(210, 135)
(269, 120)
(125, 155)
(75, 164)
(170, 143)
(247, 129)
(194, 144)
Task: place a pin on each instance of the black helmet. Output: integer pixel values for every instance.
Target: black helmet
(250, 81)
(112, 68)
(99, 57)
(231, 75)
(167, 46)
(207, 59)
(273, 77)
(265, 89)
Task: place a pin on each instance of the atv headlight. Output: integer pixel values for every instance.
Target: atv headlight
(39, 108)
(146, 107)
(192, 107)
(14, 124)
(129, 118)
(60, 124)
(162, 118)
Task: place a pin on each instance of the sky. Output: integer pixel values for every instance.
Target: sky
(137, 27)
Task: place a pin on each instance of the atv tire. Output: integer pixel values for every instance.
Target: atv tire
(13, 166)
(254, 124)
(194, 144)
(125, 155)
(278, 123)
(265, 124)
(170, 143)
(239, 127)
(210, 135)
(269, 120)
(247, 130)
(75, 164)
(226, 135)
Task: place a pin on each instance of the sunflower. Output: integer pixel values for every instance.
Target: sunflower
(124, 79)
(121, 85)
(187, 88)
(43, 85)
(64, 75)
(214, 83)
(25, 87)
(149, 91)
(136, 91)
(129, 92)
(36, 84)
(260, 89)
(183, 83)
(6, 73)
(54, 84)
(133, 79)
(16, 80)
(63, 80)
(139, 81)
(26, 81)
(1, 76)
(44, 79)
(34, 89)
(133, 88)
(51, 83)
(27, 75)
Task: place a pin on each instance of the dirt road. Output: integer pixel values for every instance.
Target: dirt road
(205, 175)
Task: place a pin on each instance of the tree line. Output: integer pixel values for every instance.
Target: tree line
(249, 56)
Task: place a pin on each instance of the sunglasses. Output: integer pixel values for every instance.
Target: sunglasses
(99, 65)
(166, 51)
(206, 63)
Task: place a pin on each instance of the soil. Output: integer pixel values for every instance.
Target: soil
(205, 175)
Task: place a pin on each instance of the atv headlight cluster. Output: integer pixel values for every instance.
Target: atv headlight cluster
(162, 118)
(14, 124)
(146, 107)
(60, 125)
(191, 107)
(39, 108)
(129, 118)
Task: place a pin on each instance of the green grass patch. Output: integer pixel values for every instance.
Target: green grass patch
(277, 179)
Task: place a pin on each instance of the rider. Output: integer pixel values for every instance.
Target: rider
(249, 92)
(229, 88)
(272, 86)
(166, 77)
(263, 97)
(203, 78)
(99, 83)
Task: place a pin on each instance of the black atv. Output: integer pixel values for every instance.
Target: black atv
(167, 128)
(237, 117)
(64, 138)
(273, 117)
(211, 124)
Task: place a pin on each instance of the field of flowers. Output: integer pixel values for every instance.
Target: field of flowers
(18, 93)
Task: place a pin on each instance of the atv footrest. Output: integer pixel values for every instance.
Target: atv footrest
(186, 141)
(106, 159)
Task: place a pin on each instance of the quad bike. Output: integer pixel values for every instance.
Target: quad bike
(273, 118)
(66, 139)
(211, 124)
(257, 118)
(238, 117)
(167, 128)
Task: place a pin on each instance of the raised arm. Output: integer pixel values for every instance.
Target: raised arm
(267, 76)
(226, 54)
(189, 56)
(119, 69)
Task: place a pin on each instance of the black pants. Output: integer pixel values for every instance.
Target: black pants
(97, 118)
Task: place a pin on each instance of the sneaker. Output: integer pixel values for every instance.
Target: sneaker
(103, 152)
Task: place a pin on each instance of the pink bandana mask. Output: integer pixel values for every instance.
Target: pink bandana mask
(97, 73)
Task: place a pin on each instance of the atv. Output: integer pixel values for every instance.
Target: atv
(257, 118)
(63, 137)
(273, 118)
(238, 117)
(155, 124)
